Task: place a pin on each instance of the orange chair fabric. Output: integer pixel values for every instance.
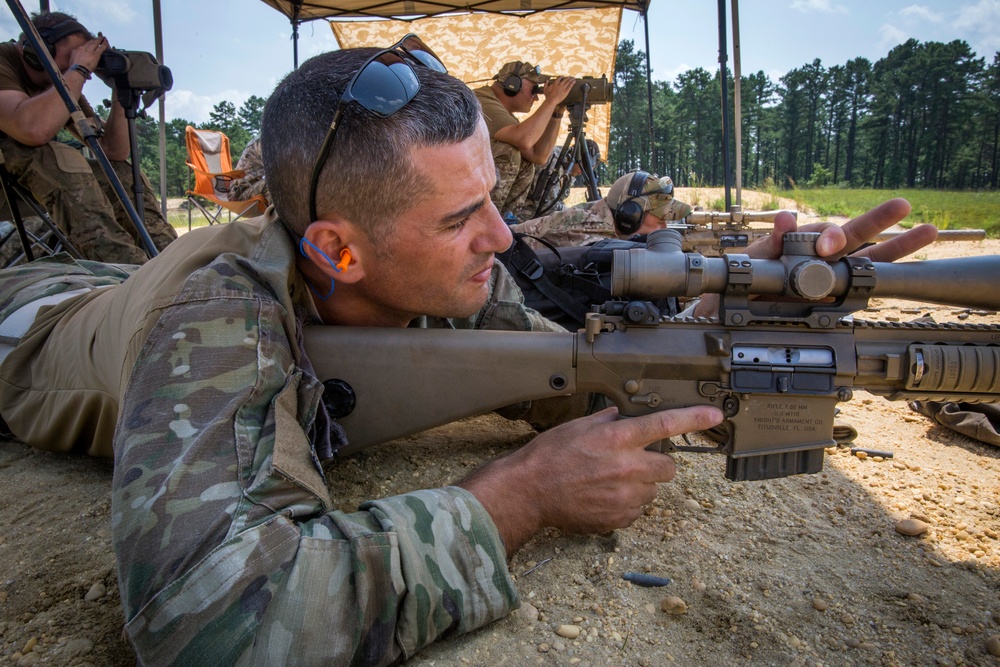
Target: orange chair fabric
(209, 159)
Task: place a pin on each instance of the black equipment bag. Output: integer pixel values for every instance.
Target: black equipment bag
(564, 283)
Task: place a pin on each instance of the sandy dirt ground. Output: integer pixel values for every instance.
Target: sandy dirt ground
(807, 570)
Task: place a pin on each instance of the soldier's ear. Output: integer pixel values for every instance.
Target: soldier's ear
(337, 248)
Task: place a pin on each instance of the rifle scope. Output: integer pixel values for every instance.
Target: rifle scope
(662, 269)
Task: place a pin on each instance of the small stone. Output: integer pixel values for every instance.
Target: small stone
(820, 605)
(558, 646)
(568, 631)
(692, 505)
(911, 527)
(993, 645)
(543, 648)
(528, 612)
(853, 642)
(78, 647)
(29, 660)
(916, 597)
(698, 585)
(30, 645)
(847, 619)
(650, 608)
(96, 592)
(673, 605)
(861, 455)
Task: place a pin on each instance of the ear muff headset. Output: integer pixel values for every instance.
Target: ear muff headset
(512, 84)
(629, 214)
(50, 37)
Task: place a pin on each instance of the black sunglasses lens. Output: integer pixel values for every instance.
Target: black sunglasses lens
(416, 48)
(385, 85)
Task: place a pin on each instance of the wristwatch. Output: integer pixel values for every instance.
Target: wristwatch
(82, 70)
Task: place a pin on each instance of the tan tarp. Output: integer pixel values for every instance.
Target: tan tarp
(308, 10)
(475, 46)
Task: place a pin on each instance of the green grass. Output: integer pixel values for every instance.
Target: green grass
(944, 209)
(179, 219)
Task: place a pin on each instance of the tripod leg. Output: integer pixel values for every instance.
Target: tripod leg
(22, 234)
(587, 167)
(550, 175)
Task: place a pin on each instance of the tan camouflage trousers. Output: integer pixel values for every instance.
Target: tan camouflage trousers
(81, 201)
(514, 178)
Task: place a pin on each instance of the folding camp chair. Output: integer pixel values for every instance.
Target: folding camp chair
(24, 240)
(208, 157)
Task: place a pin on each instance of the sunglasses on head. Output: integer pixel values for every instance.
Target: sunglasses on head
(383, 85)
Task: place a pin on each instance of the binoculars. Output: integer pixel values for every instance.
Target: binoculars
(598, 91)
(135, 70)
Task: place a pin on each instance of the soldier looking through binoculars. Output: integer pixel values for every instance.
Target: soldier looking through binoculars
(76, 192)
(519, 145)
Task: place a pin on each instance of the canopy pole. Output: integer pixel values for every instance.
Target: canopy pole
(724, 80)
(162, 102)
(737, 101)
(296, 8)
(649, 91)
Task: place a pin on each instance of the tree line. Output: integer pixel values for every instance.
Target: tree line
(926, 115)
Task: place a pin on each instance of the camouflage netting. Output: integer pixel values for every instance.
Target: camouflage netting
(475, 46)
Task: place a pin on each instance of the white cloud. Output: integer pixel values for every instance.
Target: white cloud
(775, 74)
(670, 74)
(984, 17)
(890, 36)
(824, 6)
(921, 13)
(197, 108)
(979, 25)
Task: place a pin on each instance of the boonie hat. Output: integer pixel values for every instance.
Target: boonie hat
(523, 69)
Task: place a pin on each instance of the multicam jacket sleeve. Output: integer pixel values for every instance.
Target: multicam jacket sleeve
(230, 548)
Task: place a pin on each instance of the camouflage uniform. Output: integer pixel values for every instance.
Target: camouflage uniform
(583, 224)
(78, 195)
(252, 183)
(87, 210)
(514, 174)
(230, 548)
(578, 225)
(514, 178)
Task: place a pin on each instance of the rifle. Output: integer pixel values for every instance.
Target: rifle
(781, 354)
(714, 233)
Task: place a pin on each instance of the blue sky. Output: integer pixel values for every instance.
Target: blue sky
(231, 49)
